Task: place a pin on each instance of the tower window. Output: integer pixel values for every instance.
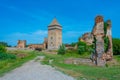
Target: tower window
(51, 37)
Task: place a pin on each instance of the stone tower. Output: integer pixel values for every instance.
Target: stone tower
(21, 44)
(98, 33)
(54, 35)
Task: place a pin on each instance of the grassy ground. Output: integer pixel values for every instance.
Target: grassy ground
(10, 64)
(80, 72)
(83, 72)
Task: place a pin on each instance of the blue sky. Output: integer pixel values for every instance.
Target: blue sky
(28, 19)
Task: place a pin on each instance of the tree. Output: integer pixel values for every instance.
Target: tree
(2, 48)
(81, 47)
(84, 48)
(62, 49)
(4, 44)
(73, 44)
(116, 46)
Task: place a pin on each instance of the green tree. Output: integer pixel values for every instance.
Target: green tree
(81, 47)
(73, 44)
(2, 48)
(4, 44)
(84, 48)
(62, 49)
(116, 46)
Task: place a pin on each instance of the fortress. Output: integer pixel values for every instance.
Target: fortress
(53, 41)
(100, 38)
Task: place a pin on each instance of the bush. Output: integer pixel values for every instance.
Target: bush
(81, 49)
(2, 48)
(116, 46)
(62, 49)
(4, 56)
(84, 48)
(73, 44)
(80, 43)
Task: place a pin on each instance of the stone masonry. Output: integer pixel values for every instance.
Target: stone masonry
(21, 44)
(54, 35)
(100, 56)
(87, 38)
(109, 53)
(98, 33)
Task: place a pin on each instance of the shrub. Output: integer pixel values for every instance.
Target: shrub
(73, 44)
(84, 48)
(116, 46)
(4, 56)
(2, 48)
(62, 49)
(80, 43)
(81, 49)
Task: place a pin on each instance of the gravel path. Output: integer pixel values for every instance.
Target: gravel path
(35, 71)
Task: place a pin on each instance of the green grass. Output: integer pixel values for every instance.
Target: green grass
(80, 72)
(83, 71)
(117, 57)
(10, 64)
(92, 73)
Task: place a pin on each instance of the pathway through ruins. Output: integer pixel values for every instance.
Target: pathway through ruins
(35, 71)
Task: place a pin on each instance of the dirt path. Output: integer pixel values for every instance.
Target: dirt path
(35, 71)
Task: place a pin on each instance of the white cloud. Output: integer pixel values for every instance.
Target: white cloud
(33, 37)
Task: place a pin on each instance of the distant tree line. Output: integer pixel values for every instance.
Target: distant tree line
(116, 46)
(5, 44)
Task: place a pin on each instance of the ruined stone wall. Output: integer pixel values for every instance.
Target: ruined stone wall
(21, 44)
(98, 33)
(109, 52)
(34, 46)
(44, 45)
(87, 38)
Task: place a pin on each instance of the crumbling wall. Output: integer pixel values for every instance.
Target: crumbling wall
(87, 38)
(98, 33)
(101, 32)
(109, 52)
(21, 44)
